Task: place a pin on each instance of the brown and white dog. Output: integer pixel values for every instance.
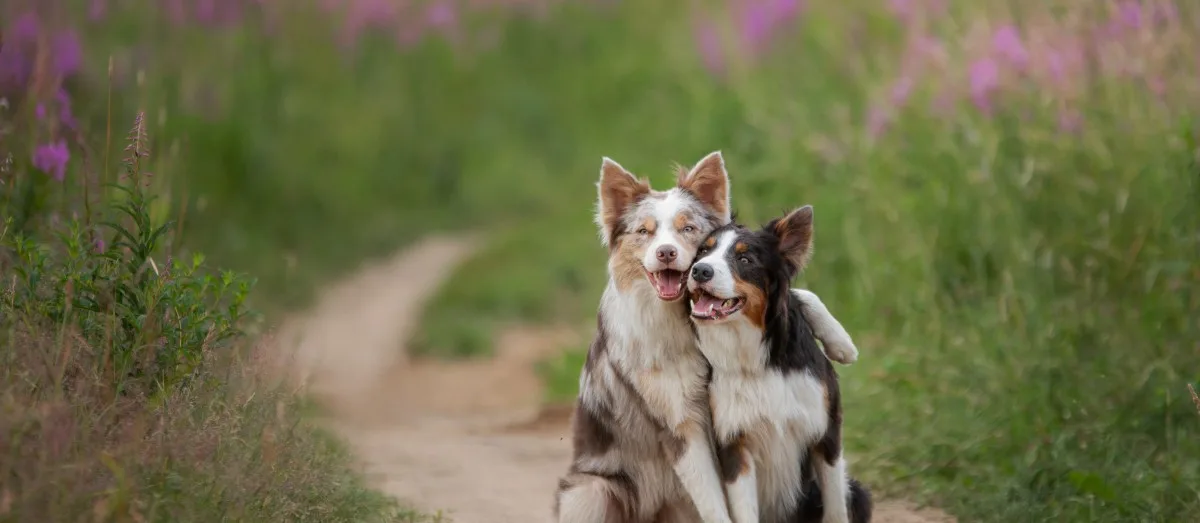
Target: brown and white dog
(777, 410)
(643, 450)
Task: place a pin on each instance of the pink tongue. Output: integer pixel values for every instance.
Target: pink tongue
(668, 282)
(706, 302)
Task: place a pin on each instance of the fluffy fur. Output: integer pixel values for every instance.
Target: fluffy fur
(776, 404)
(643, 450)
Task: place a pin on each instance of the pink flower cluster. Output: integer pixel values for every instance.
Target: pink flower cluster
(758, 23)
(35, 58)
(1047, 54)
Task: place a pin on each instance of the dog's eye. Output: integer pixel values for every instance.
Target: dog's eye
(643, 230)
(744, 259)
(688, 228)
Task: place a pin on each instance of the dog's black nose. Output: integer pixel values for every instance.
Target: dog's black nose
(702, 272)
(666, 253)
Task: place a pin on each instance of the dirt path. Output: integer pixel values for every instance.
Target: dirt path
(465, 438)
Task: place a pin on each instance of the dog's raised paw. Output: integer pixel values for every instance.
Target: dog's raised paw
(842, 352)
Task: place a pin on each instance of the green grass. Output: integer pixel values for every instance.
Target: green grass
(130, 390)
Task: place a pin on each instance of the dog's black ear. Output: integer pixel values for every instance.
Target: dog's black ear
(709, 182)
(795, 233)
(619, 190)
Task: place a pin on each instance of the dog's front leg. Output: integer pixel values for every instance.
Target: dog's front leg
(741, 482)
(838, 345)
(835, 488)
(696, 466)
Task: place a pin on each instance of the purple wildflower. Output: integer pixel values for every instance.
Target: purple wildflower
(52, 159)
(67, 53)
(756, 26)
(441, 15)
(984, 77)
(785, 9)
(15, 65)
(903, 9)
(1007, 43)
(176, 11)
(40, 111)
(705, 32)
(901, 90)
(97, 9)
(206, 11)
(1129, 14)
(1070, 121)
(65, 116)
(24, 29)
(878, 121)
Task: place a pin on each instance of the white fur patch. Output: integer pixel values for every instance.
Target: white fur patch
(835, 489)
(697, 470)
(665, 234)
(743, 492)
(722, 282)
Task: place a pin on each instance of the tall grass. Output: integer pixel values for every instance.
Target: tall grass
(129, 390)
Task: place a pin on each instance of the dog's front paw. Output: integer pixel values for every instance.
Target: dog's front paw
(842, 351)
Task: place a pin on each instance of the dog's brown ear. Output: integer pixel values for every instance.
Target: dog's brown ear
(795, 232)
(709, 182)
(619, 190)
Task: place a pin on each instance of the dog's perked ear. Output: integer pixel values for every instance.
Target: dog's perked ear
(619, 190)
(795, 233)
(709, 182)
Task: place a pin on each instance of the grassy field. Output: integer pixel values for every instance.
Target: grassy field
(1007, 195)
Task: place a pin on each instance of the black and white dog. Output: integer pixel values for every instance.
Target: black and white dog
(777, 410)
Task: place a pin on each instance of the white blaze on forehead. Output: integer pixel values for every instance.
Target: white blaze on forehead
(721, 284)
(664, 212)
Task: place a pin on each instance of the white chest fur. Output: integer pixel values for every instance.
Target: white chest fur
(653, 342)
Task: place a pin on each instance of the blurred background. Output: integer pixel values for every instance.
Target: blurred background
(1007, 194)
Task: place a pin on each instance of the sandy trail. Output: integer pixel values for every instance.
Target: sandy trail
(469, 439)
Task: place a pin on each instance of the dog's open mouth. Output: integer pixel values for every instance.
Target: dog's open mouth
(668, 283)
(708, 307)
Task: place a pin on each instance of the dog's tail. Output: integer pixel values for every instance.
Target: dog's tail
(860, 506)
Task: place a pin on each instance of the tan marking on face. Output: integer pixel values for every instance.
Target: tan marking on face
(681, 220)
(710, 243)
(755, 307)
(740, 247)
(649, 224)
(627, 260)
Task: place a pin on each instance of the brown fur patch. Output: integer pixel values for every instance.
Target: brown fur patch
(740, 248)
(732, 459)
(675, 442)
(591, 436)
(710, 242)
(649, 224)
(755, 307)
(627, 261)
(708, 183)
(681, 220)
(619, 190)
